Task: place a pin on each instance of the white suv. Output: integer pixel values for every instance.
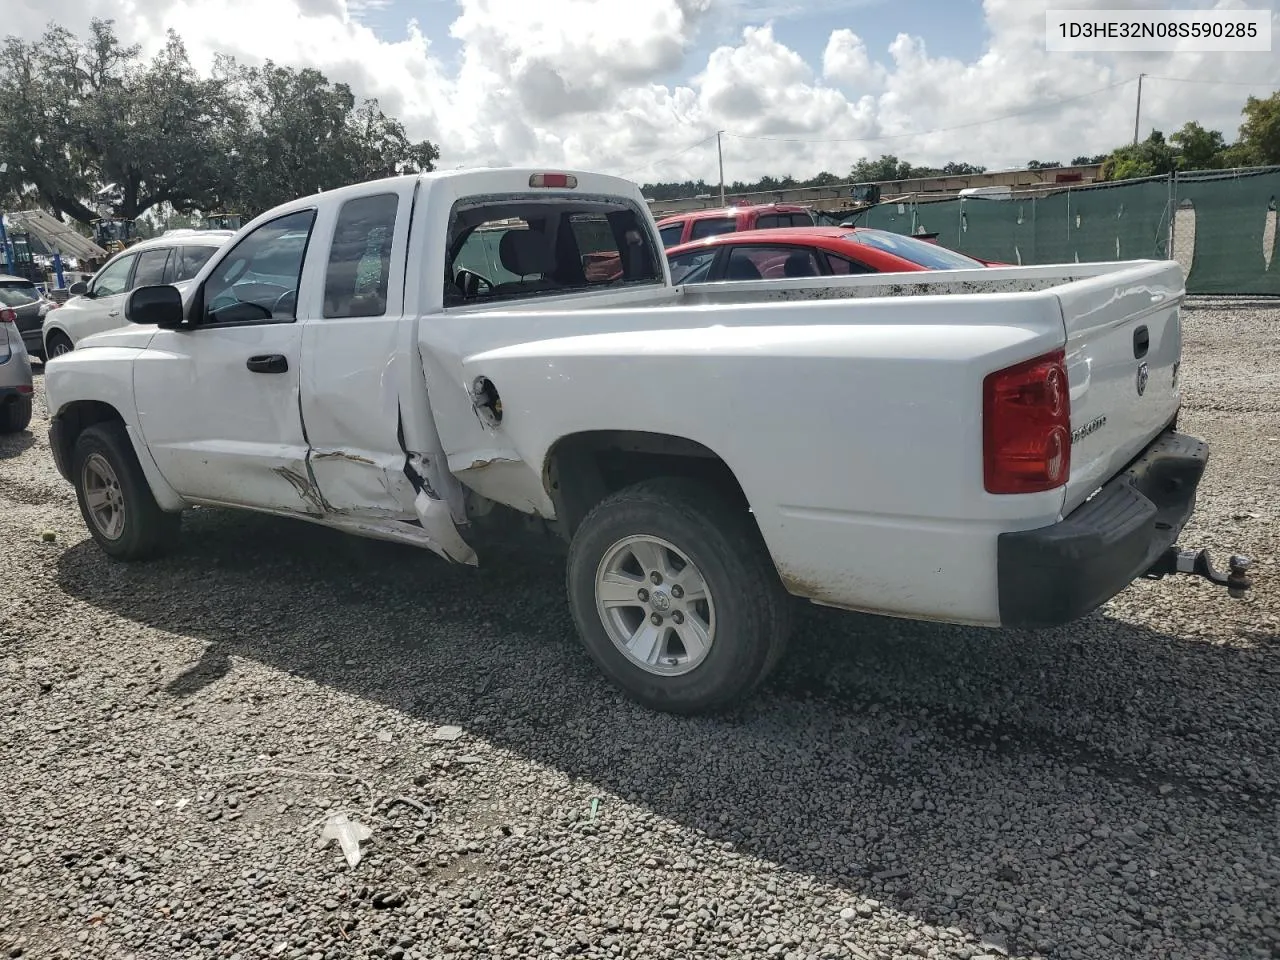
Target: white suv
(98, 305)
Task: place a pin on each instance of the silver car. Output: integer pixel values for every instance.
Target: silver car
(24, 298)
(15, 375)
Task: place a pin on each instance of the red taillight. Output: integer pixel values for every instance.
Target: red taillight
(1026, 426)
(24, 388)
(553, 180)
(8, 316)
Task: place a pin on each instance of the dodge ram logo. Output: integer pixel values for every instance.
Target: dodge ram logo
(1143, 374)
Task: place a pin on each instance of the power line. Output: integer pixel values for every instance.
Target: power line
(680, 153)
(1230, 83)
(959, 126)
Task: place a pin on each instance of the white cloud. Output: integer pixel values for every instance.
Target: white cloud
(614, 84)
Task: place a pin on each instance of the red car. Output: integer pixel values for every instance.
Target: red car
(696, 224)
(809, 252)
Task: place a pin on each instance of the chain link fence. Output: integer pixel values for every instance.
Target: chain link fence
(1219, 224)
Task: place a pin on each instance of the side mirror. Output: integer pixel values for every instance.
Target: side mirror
(161, 305)
(78, 289)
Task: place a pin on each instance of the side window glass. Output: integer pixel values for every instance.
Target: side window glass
(842, 267)
(151, 267)
(801, 220)
(712, 226)
(258, 281)
(771, 263)
(114, 277)
(355, 284)
(191, 262)
(692, 267)
(767, 221)
(671, 235)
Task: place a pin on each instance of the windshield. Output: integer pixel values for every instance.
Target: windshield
(18, 294)
(928, 255)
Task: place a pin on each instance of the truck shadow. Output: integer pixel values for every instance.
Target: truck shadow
(887, 758)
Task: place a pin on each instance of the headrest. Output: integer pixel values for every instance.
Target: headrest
(798, 264)
(526, 253)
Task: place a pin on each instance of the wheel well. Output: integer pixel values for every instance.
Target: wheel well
(74, 419)
(584, 468)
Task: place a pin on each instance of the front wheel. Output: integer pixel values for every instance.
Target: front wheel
(57, 344)
(675, 596)
(115, 498)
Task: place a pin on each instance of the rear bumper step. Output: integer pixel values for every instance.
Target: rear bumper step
(1056, 574)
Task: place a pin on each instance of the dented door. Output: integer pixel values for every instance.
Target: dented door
(354, 365)
(219, 431)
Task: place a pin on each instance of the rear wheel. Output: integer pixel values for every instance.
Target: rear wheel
(15, 414)
(675, 596)
(115, 498)
(56, 344)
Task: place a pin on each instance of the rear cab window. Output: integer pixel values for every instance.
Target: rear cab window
(712, 226)
(520, 246)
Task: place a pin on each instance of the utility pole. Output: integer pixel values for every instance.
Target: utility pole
(1137, 112)
(720, 154)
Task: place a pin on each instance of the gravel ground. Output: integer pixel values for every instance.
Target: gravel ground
(174, 734)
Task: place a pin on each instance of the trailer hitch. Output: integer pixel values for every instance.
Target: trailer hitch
(1197, 563)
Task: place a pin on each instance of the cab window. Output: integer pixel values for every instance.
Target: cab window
(114, 277)
(360, 258)
(151, 267)
(692, 267)
(257, 282)
(186, 264)
(526, 247)
(671, 234)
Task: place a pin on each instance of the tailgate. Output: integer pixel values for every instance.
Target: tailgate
(1124, 344)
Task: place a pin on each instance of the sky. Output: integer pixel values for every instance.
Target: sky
(640, 87)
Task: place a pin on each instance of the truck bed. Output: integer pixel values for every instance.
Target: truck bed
(851, 425)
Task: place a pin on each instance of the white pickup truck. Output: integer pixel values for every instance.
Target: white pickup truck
(413, 358)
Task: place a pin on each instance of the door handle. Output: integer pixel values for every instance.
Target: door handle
(114, 313)
(1141, 342)
(268, 363)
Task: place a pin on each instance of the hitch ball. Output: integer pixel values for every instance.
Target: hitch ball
(1238, 582)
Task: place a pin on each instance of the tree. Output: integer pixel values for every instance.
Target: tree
(1260, 131)
(888, 167)
(1198, 148)
(954, 169)
(1149, 158)
(79, 117)
(1085, 161)
(301, 134)
(1043, 164)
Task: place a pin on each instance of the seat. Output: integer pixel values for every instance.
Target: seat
(799, 264)
(526, 253)
(740, 268)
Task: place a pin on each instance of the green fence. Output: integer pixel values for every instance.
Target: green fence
(1229, 217)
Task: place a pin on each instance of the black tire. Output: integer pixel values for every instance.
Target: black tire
(54, 341)
(752, 612)
(147, 531)
(15, 414)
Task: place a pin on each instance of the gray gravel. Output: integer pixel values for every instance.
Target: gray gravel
(1108, 790)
